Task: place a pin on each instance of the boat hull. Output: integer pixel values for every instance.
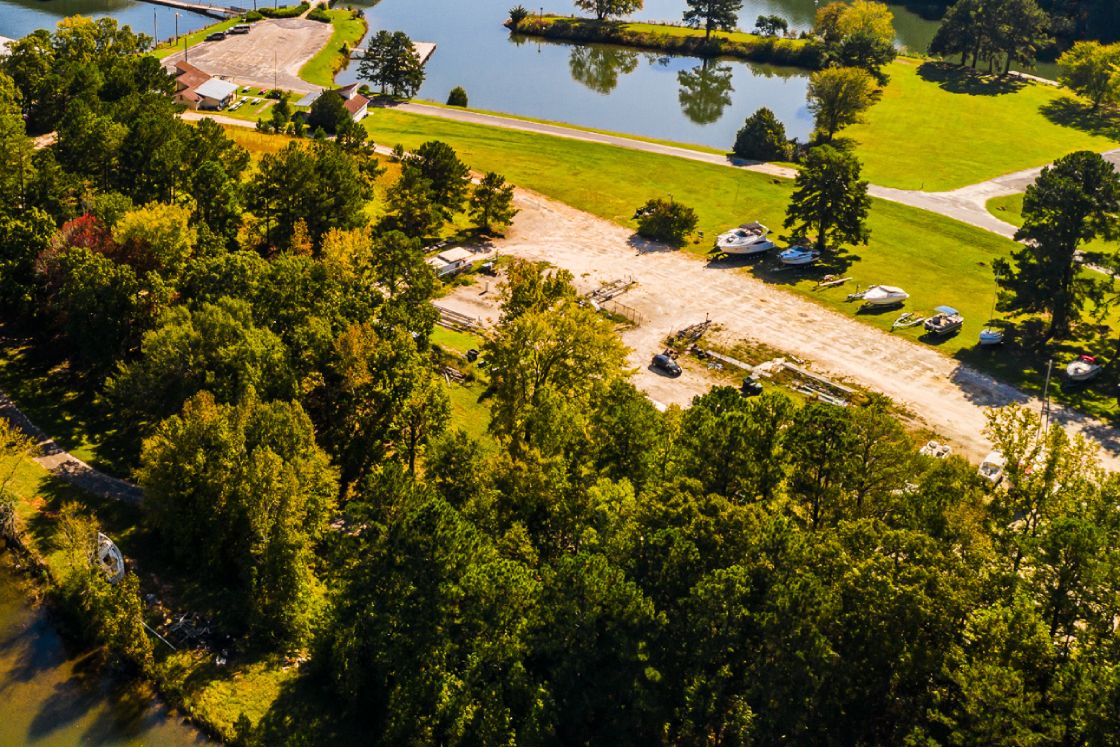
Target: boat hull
(757, 247)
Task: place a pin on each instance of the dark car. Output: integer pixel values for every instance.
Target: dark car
(666, 365)
(217, 36)
(751, 387)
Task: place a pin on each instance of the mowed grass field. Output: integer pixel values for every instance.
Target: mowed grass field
(937, 260)
(939, 127)
(348, 31)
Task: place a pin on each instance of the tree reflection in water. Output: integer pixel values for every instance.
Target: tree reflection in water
(705, 91)
(599, 67)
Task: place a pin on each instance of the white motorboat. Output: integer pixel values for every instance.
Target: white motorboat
(1083, 369)
(884, 295)
(946, 321)
(749, 238)
(991, 469)
(990, 337)
(798, 255)
(936, 449)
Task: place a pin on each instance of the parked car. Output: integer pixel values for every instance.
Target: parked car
(666, 365)
(217, 36)
(751, 387)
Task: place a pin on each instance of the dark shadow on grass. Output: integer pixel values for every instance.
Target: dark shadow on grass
(307, 712)
(645, 246)
(1069, 112)
(960, 79)
(929, 338)
(830, 263)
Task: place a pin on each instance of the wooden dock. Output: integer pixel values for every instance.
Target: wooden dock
(207, 9)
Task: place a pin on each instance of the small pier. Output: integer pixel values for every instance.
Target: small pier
(207, 9)
(424, 50)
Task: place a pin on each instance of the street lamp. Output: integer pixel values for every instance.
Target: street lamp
(176, 27)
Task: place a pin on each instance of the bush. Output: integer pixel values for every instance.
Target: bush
(762, 138)
(320, 15)
(666, 221)
(457, 97)
(517, 15)
(253, 16)
(286, 11)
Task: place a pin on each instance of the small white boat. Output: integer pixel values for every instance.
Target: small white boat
(1083, 369)
(936, 449)
(884, 295)
(946, 321)
(991, 469)
(798, 255)
(990, 337)
(749, 238)
(907, 319)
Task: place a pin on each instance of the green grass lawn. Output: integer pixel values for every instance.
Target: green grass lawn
(166, 50)
(939, 127)
(937, 260)
(348, 31)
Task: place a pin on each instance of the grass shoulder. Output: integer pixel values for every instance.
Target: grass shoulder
(674, 39)
(348, 29)
(189, 40)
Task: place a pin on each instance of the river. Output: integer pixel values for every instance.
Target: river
(19, 18)
(50, 694)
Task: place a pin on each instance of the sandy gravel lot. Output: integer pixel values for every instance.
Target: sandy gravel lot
(268, 56)
(675, 290)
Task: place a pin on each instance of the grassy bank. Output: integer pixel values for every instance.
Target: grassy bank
(674, 39)
(348, 31)
(939, 127)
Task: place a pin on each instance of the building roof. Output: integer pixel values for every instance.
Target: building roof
(455, 255)
(309, 99)
(216, 88)
(188, 94)
(189, 76)
(348, 91)
(356, 104)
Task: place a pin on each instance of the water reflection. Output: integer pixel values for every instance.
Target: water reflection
(599, 67)
(705, 91)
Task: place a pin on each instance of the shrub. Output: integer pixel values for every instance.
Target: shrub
(457, 97)
(666, 221)
(762, 138)
(286, 11)
(517, 15)
(320, 15)
(253, 16)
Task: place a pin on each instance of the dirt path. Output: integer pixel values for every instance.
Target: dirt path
(64, 465)
(675, 290)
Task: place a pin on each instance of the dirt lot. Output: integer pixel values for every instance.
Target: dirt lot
(675, 290)
(267, 57)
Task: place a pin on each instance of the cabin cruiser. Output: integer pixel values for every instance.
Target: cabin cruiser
(749, 238)
(1083, 369)
(798, 255)
(883, 295)
(991, 469)
(946, 321)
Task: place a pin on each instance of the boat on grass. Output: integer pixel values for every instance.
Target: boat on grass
(946, 321)
(798, 256)
(991, 337)
(884, 295)
(749, 238)
(1086, 367)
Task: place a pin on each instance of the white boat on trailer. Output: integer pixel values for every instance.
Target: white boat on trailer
(991, 337)
(749, 238)
(798, 256)
(1084, 368)
(883, 295)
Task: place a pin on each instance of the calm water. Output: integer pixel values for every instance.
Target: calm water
(20, 17)
(51, 696)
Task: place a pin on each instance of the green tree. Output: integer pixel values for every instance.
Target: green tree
(1073, 201)
(1022, 31)
(762, 138)
(329, 112)
(156, 237)
(666, 221)
(604, 9)
(412, 207)
(1092, 70)
(771, 25)
(449, 177)
(390, 62)
(829, 199)
(819, 442)
(838, 97)
(492, 203)
(243, 493)
(859, 34)
(713, 14)
(457, 97)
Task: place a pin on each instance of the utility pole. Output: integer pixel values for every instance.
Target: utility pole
(155, 30)
(274, 70)
(1046, 398)
(176, 28)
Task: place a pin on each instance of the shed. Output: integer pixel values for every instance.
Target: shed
(451, 261)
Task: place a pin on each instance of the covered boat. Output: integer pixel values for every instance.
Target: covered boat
(946, 321)
(1083, 369)
(884, 295)
(990, 337)
(991, 469)
(798, 255)
(749, 238)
